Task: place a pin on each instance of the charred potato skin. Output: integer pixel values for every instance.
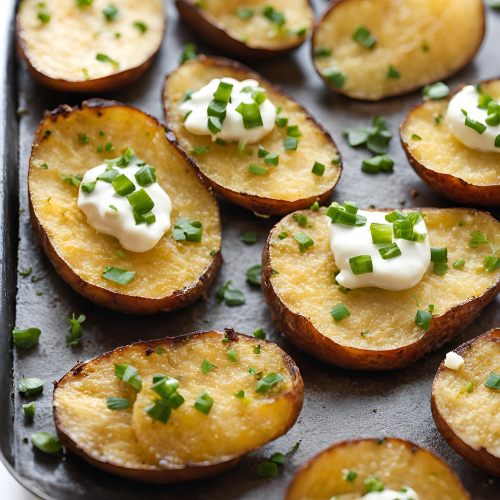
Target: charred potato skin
(353, 442)
(104, 84)
(479, 457)
(299, 330)
(107, 298)
(331, 6)
(190, 471)
(261, 205)
(447, 185)
(218, 36)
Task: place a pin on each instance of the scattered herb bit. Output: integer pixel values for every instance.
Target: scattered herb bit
(30, 385)
(75, 329)
(129, 375)
(254, 275)
(436, 91)
(322, 51)
(24, 339)
(117, 275)
(318, 169)
(256, 349)
(364, 37)
(206, 366)
(199, 150)
(22, 271)
(188, 53)
(47, 134)
(459, 263)
(105, 58)
(373, 483)
(140, 26)
(240, 394)
(339, 312)
(335, 77)
(159, 350)
(231, 295)
(187, 229)
(253, 168)
(301, 219)
(73, 180)
(392, 72)
(204, 402)
(378, 163)
(44, 17)
(304, 242)
(43, 440)
(44, 166)
(468, 388)
(110, 12)
(250, 237)
(416, 137)
(250, 114)
(264, 384)
(232, 355)
(267, 469)
(493, 381)
(350, 476)
(272, 15)
(245, 13)
(259, 333)
(117, 403)
(29, 409)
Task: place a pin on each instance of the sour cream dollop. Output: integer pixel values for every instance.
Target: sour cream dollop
(398, 273)
(405, 493)
(120, 223)
(453, 361)
(468, 99)
(233, 128)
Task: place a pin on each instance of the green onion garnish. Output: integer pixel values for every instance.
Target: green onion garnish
(129, 375)
(258, 96)
(123, 185)
(29, 409)
(468, 388)
(437, 90)
(322, 51)
(459, 263)
(493, 381)
(214, 124)
(272, 15)
(117, 403)
(282, 235)
(364, 37)
(392, 72)
(293, 131)
(281, 122)
(439, 255)
(199, 150)
(186, 229)
(304, 242)
(188, 53)
(30, 385)
(230, 294)
(117, 275)
(264, 384)
(244, 13)
(253, 168)
(256, 349)
(105, 58)
(272, 159)
(390, 251)
(240, 394)
(44, 17)
(204, 402)
(416, 137)
(140, 26)
(361, 264)
(345, 215)
(262, 152)
(83, 138)
(141, 202)
(145, 176)
(339, 312)
(259, 333)
(475, 125)
(73, 180)
(335, 77)
(423, 319)
(267, 469)
(250, 237)
(314, 207)
(232, 355)
(110, 12)
(206, 366)
(318, 169)
(108, 175)
(301, 219)
(381, 233)
(250, 114)
(254, 275)
(46, 442)
(290, 144)
(377, 163)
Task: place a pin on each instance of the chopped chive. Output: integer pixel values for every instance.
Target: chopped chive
(304, 242)
(253, 168)
(392, 72)
(159, 410)
(110, 12)
(301, 219)
(29, 409)
(250, 114)
(267, 469)
(438, 118)
(73, 180)
(141, 202)
(240, 394)
(290, 144)
(232, 355)
(361, 264)
(339, 312)
(145, 176)
(436, 91)
(186, 229)
(123, 185)
(46, 442)
(44, 17)
(117, 275)
(129, 375)
(297, 31)
(272, 159)
(206, 366)
(30, 385)
(88, 187)
(254, 275)
(468, 388)
(322, 51)
(264, 384)
(314, 207)
(108, 175)
(256, 349)
(230, 294)
(105, 58)
(364, 37)
(377, 163)
(188, 53)
(117, 403)
(262, 152)
(204, 402)
(474, 125)
(459, 263)
(439, 255)
(281, 122)
(245, 13)
(140, 26)
(259, 333)
(381, 233)
(416, 137)
(318, 169)
(293, 131)
(390, 251)
(282, 235)
(24, 339)
(250, 237)
(335, 77)
(272, 15)
(493, 381)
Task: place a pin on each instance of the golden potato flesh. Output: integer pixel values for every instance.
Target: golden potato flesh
(65, 47)
(190, 439)
(475, 175)
(171, 267)
(466, 414)
(423, 41)
(245, 22)
(380, 332)
(395, 462)
(291, 182)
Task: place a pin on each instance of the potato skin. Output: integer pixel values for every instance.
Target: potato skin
(196, 17)
(105, 84)
(481, 458)
(257, 204)
(304, 470)
(107, 298)
(300, 331)
(189, 471)
(331, 6)
(447, 185)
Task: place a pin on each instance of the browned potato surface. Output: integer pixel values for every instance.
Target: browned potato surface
(397, 463)
(285, 188)
(240, 28)
(464, 409)
(191, 444)
(173, 273)
(406, 44)
(446, 165)
(300, 289)
(75, 48)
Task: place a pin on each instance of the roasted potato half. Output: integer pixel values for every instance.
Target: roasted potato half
(465, 409)
(74, 46)
(173, 273)
(287, 187)
(256, 29)
(446, 165)
(372, 49)
(347, 469)
(200, 437)
(381, 332)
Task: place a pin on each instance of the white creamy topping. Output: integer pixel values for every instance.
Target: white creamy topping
(120, 223)
(232, 127)
(409, 494)
(398, 273)
(468, 99)
(453, 361)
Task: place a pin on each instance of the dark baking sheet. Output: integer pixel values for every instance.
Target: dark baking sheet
(338, 404)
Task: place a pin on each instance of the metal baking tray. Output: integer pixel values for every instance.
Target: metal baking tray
(338, 404)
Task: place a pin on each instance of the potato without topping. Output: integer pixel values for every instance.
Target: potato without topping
(287, 187)
(423, 40)
(395, 462)
(466, 416)
(170, 275)
(191, 444)
(302, 292)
